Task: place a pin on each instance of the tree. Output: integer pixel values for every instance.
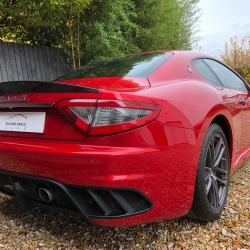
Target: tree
(18, 16)
(237, 56)
(37, 13)
(101, 28)
(112, 28)
(106, 29)
(166, 24)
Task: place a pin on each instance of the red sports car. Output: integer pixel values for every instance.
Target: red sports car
(127, 140)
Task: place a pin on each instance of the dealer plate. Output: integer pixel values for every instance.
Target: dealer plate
(31, 122)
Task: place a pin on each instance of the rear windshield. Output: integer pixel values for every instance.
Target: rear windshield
(140, 65)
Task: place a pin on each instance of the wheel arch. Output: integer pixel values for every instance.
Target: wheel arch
(225, 126)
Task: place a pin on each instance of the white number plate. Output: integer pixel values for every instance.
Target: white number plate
(22, 121)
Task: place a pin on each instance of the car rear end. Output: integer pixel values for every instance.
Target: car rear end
(70, 146)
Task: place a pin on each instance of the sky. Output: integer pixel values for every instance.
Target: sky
(220, 20)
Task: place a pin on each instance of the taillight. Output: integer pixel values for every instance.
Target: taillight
(108, 117)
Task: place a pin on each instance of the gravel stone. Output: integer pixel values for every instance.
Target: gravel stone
(44, 229)
(224, 232)
(232, 211)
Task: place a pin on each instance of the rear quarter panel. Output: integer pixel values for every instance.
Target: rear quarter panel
(190, 104)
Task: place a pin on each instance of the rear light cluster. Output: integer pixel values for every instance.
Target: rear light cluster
(107, 117)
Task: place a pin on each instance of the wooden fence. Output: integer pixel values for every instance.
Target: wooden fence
(30, 62)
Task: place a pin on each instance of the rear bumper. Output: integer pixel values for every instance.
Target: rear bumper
(161, 171)
(90, 202)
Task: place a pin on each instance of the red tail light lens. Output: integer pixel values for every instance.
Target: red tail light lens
(108, 117)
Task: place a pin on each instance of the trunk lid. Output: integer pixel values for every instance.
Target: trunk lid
(121, 84)
(27, 110)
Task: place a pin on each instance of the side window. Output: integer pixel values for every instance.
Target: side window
(206, 72)
(227, 77)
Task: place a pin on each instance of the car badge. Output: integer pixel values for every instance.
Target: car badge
(13, 98)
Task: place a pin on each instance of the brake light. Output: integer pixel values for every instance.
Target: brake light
(108, 117)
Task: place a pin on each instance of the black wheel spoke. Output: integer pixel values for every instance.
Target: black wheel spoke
(209, 159)
(216, 196)
(217, 148)
(219, 156)
(207, 173)
(211, 147)
(208, 186)
(219, 170)
(220, 181)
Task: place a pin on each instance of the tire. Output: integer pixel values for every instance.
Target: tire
(212, 178)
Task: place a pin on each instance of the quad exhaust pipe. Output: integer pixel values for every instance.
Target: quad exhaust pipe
(45, 194)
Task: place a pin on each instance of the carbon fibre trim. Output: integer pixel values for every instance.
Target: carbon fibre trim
(28, 87)
(91, 202)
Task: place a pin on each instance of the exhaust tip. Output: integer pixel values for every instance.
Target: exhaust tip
(45, 194)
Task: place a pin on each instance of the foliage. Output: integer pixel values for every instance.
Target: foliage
(166, 24)
(189, 17)
(37, 13)
(113, 28)
(88, 30)
(24, 20)
(237, 56)
(107, 30)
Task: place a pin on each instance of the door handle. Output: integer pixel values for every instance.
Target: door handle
(243, 102)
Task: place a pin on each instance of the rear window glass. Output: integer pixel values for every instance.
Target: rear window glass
(140, 65)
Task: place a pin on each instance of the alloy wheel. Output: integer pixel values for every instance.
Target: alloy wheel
(216, 172)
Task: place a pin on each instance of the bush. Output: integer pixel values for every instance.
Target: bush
(237, 56)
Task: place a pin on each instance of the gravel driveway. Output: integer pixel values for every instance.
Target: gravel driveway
(43, 229)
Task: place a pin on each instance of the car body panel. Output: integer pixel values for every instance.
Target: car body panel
(119, 84)
(160, 144)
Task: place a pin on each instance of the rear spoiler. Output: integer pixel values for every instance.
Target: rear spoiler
(28, 87)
